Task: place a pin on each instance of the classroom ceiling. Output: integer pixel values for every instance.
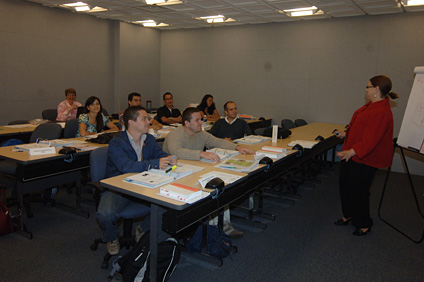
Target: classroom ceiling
(236, 12)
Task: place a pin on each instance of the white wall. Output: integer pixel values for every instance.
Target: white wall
(315, 70)
(46, 50)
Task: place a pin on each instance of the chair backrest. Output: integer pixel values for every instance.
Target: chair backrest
(98, 159)
(18, 122)
(71, 128)
(287, 124)
(50, 114)
(47, 130)
(259, 131)
(300, 122)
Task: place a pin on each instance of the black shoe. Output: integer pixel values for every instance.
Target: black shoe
(341, 222)
(359, 232)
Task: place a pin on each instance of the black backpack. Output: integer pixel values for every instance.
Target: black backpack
(135, 264)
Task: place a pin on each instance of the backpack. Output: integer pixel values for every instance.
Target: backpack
(6, 221)
(135, 264)
(217, 243)
(103, 138)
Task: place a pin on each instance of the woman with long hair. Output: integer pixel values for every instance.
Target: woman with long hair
(93, 120)
(207, 107)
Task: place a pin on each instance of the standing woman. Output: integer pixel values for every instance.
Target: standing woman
(92, 120)
(368, 145)
(207, 106)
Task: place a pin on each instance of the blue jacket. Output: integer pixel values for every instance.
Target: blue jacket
(122, 158)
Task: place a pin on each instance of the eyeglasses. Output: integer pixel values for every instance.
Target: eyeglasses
(372, 86)
(146, 118)
(71, 94)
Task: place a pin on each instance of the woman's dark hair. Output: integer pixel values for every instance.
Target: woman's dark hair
(385, 84)
(99, 117)
(203, 105)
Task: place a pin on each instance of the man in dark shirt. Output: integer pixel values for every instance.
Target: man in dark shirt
(168, 114)
(230, 127)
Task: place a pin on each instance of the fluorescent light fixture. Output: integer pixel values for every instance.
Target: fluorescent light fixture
(300, 12)
(82, 8)
(150, 23)
(413, 2)
(213, 19)
(98, 9)
(152, 2)
(75, 4)
(170, 2)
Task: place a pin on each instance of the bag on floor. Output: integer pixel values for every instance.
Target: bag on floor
(135, 264)
(217, 243)
(6, 221)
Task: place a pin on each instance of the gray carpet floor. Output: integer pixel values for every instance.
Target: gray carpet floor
(302, 244)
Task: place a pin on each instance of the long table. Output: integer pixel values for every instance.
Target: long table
(171, 216)
(34, 173)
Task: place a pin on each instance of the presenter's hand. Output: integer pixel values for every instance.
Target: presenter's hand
(346, 155)
(244, 150)
(339, 134)
(210, 156)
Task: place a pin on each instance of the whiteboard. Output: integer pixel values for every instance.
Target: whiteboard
(411, 133)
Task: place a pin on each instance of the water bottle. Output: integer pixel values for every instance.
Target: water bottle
(205, 118)
(148, 105)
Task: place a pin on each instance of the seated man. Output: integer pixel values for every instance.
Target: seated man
(134, 99)
(230, 127)
(67, 109)
(133, 150)
(187, 142)
(168, 114)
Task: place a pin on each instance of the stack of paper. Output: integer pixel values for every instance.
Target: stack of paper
(222, 153)
(182, 193)
(248, 117)
(84, 146)
(273, 152)
(150, 179)
(36, 149)
(252, 139)
(226, 177)
(57, 143)
(304, 143)
(238, 164)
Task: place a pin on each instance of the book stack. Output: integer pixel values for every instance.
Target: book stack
(150, 179)
(36, 148)
(273, 152)
(252, 139)
(182, 193)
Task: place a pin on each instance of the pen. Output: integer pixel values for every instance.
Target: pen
(231, 167)
(171, 169)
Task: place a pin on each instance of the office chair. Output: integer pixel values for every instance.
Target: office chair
(8, 167)
(300, 122)
(287, 124)
(71, 128)
(50, 114)
(135, 210)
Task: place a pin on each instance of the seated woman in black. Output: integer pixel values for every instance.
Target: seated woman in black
(207, 106)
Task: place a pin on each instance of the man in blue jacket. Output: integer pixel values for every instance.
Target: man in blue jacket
(133, 150)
